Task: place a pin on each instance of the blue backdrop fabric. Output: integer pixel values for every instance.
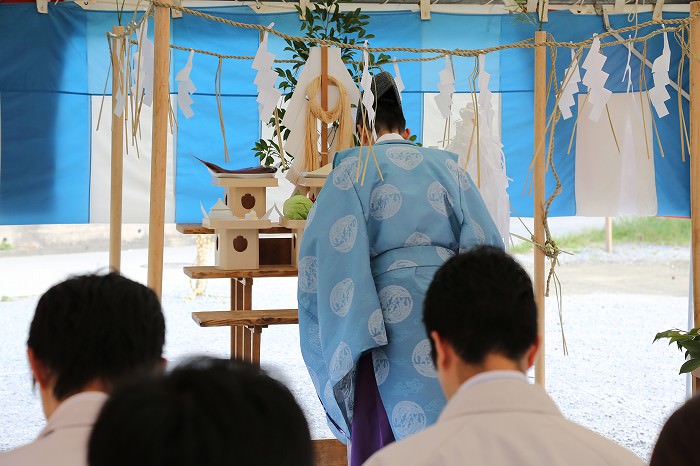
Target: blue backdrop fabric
(53, 64)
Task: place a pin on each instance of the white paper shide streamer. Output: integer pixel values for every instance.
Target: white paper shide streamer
(484, 158)
(658, 94)
(570, 88)
(447, 88)
(397, 79)
(595, 79)
(185, 88)
(367, 94)
(268, 94)
(142, 72)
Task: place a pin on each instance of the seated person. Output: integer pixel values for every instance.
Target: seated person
(481, 316)
(208, 412)
(678, 438)
(87, 333)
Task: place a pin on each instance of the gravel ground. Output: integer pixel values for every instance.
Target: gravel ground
(613, 380)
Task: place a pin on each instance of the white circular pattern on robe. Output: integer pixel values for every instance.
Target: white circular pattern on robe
(341, 297)
(385, 201)
(407, 418)
(439, 198)
(375, 326)
(313, 337)
(308, 266)
(421, 359)
(345, 173)
(405, 157)
(310, 215)
(343, 233)
(396, 302)
(401, 264)
(341, 362)
(444, 253)
(457, 173)
(418, 239)
(381, 365)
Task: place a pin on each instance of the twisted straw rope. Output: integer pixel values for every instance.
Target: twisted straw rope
(340, 112)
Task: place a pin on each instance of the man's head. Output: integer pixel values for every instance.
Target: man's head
(208, 412)
(389, 116)
(90, 331)
(481, 315)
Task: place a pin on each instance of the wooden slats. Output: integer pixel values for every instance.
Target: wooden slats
(207, 271)
(245, 318)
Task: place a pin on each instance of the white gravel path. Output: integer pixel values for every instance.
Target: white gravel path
(613, 381)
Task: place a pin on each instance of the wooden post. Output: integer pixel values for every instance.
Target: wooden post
(161, 89)
(324, 104)
(117, 169)
(695, 162)
(608, 235)
(539, 170)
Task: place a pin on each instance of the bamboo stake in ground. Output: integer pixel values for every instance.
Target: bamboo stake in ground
(161, 71)
(695, 161)
(117, 168)
(538, 174)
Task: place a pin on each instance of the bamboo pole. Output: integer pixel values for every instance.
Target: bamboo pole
(161, 75)
(608, 235)
(324, 103)
(695, 162)
(538, 212)
(117, 168)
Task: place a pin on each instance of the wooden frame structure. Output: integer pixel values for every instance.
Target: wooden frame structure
(158, 168)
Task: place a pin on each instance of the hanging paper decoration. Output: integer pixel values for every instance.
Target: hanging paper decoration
(658, 94)
(628, 69)
(447, 88)
(268, 94)
(120, 95)
(142, 73)
(367, 94)
(397, 79)
(483, 156)
(595, 79)
(185, 88)
(570, 88)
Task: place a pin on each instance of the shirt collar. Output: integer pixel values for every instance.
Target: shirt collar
(79, 410)
(490, 376)
(389, 137)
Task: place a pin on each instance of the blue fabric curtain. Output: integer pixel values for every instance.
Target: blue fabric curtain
(53, 64)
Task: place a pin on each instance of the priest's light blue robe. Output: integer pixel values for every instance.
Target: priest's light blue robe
(366, 259)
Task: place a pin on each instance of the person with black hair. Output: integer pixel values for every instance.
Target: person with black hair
(88, 334)
(481, 316)
(372, 242)
(208, 412)
(679, 437)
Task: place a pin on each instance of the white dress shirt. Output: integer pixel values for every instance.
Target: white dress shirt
(64, 440)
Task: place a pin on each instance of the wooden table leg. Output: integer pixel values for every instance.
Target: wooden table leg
(257, 334)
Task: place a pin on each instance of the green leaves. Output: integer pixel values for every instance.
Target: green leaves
(325, 21)
(689, 342)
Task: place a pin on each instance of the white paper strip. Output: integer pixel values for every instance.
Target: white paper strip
(268, 94)
(572, 78)
(595, 79)
(185, 88)
(658, 94)
(446, 85)
(367, 94)
(142, 72)
(397, 79)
